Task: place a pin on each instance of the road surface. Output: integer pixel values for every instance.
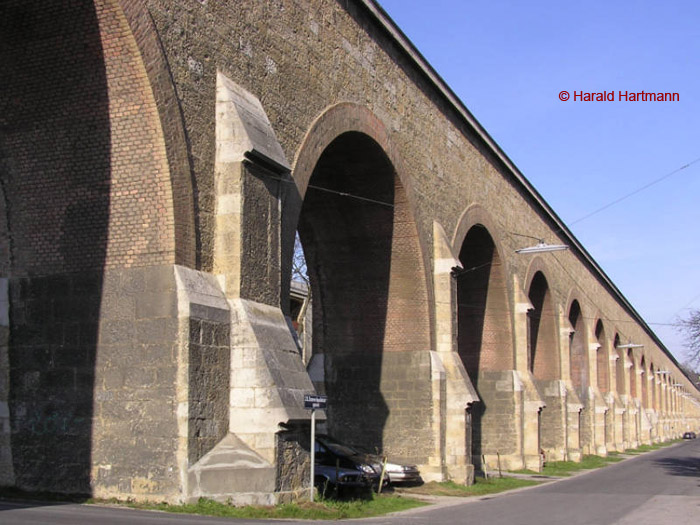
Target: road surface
(658, 488)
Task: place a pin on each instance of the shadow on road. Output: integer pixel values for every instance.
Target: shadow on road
(685, 466)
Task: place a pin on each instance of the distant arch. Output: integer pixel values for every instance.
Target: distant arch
(602, 357)
(543, 355)
(578, 358)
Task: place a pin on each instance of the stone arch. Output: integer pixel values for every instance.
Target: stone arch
(602, 357)
(485, 334)
(654, 387)
(371, 316)
(336, 120)
(544, 360)
(644, 374)
(186, 232)
(602, 381)
(477, 214)
(620, 368)
(633, 374)
(543, 346)
(578, 355)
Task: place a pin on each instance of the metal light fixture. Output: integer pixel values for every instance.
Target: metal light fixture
(629, 345)
(540, 247)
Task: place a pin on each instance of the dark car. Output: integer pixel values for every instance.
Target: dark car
(332, 452)
(689, 435)
(328, 480)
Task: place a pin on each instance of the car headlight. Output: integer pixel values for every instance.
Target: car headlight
(366, 469)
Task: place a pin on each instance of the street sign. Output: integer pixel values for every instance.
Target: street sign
(315, 402)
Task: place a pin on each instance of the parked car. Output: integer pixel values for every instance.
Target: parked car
(403, 474)
(329, 479)
(330, 451)
(689, 435)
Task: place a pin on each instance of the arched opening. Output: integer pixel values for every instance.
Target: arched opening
(633, 374)
(484, 339)
(619, 367)
(603, 382)
(634, 393)
(484, 334)
(542, 345)
(602, 358)
(577, 351)
(620, 379)
(578, 363)
(543, 361)
(370, 311)
(654, 387)
(645, 386)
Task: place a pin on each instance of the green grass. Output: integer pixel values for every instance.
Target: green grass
(648, 448)
(589, 462)
(566, 468)
(481, 487)
(320, 510)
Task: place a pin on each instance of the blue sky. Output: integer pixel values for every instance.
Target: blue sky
(509, 60)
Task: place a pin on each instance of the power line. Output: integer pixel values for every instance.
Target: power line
(686, 305)
(336, 192)
(638, 190)
(345, 194)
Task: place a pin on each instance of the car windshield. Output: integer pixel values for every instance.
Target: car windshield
(338, 448)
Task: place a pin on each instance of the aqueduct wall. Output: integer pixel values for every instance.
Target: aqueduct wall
(157, 158)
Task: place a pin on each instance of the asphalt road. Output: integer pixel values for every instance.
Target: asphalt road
(658, 488)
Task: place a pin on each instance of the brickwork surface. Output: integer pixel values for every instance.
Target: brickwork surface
(108, 158)
(54, 331)
(86, 173)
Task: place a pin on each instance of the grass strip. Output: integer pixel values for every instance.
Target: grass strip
(588, 462)
(481, 487)
(320, 510)
(641, 449)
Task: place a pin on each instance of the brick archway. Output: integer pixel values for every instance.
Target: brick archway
(542, 334)
(602, 358)
(484, 321)
(578, 357)
(485, 339)
(371, 315)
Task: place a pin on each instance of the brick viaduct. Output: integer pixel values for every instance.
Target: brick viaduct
(156, 159)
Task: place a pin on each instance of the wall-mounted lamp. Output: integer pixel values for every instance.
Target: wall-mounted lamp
(629, 345)
(540, 247)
